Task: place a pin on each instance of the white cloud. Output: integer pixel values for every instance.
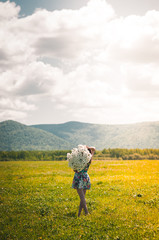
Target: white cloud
(7, 103)
(14, 108)
(104, 68)
(136, 39)
(8, 11)
(13, 115)
(142, 80)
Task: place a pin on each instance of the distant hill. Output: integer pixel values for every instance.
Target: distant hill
(17, 136)
(140, 135)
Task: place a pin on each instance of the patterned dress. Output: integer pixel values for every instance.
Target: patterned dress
(81, 179)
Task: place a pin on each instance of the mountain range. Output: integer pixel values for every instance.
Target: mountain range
(15, 136)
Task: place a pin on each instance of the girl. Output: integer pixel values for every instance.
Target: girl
(81, 182)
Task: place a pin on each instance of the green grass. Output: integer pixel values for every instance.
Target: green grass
(37, 201)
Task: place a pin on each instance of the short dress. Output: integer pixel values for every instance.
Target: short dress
(81, 179)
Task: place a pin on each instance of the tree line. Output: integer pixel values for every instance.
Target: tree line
(60, 155)
(57, 155)
(131, 154)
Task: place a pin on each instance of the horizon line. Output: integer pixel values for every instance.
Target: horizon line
(75, 121)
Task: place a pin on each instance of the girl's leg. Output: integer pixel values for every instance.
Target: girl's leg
(81, 194)
(81, 206)
(84, 190)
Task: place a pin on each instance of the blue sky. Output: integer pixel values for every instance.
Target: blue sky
(122, 7)
(89, 60)
(28, 6)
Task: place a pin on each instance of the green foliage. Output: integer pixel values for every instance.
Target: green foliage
(129, 154)
(37, 202)
(59, 155)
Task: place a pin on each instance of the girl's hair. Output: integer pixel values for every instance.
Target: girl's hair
(90, 153)
(89, 150)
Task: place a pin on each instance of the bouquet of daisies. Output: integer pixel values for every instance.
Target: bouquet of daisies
(79, 158)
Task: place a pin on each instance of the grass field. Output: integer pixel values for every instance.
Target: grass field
(37, 202)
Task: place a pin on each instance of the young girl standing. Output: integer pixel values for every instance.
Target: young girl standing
(81, 182)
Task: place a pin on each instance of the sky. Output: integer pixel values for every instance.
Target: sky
(91, 61)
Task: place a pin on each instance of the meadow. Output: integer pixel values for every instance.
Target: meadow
(37, 201)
